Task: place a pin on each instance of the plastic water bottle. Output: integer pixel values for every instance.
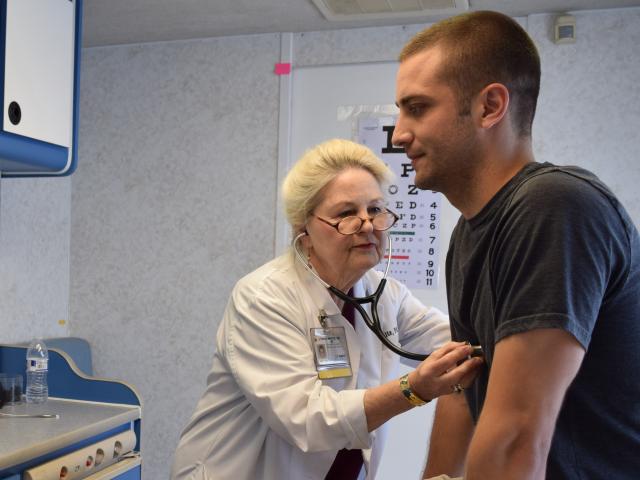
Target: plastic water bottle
(37, 367)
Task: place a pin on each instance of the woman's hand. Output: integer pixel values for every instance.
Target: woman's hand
(445, 371)
(436, 376)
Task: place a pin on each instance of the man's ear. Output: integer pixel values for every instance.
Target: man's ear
(494, 104)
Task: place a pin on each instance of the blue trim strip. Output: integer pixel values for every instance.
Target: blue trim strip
(76, 89)
(25, 154)
(137, 428)
(133, 474)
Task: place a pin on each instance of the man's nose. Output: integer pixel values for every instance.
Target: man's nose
(400, 135)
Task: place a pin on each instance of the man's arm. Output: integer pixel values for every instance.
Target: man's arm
(529, 377)
(450, 437)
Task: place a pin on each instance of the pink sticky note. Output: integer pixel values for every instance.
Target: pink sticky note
(282, 69)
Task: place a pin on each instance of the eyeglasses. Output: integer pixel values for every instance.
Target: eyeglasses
(352, 224)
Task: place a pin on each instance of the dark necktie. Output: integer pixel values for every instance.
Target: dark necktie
(346, 466)
(348, 463)
(349, 311)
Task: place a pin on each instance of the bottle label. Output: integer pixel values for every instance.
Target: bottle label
(37, 365)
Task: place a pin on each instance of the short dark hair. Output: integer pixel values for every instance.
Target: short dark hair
(481, 48)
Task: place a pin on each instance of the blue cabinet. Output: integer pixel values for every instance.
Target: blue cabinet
(96, 435)
(133, 474)
(40, 44)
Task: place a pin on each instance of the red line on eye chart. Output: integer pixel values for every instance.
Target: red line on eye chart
(398, 257)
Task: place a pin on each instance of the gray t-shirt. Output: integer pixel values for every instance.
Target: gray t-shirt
(555, 249)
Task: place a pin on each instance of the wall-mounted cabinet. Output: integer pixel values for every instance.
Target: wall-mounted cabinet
(40, 59)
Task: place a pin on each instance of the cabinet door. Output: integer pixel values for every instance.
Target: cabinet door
(127, 469)
(39, 70)
(130, 475)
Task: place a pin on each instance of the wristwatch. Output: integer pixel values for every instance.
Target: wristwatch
(409, 394)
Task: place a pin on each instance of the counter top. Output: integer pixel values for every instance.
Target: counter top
(22, 439)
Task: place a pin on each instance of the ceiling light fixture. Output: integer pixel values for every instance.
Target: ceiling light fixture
(336, 10)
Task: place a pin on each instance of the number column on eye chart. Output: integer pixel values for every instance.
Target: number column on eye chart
(414, 256)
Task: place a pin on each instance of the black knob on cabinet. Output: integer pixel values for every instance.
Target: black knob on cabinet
(15, 113)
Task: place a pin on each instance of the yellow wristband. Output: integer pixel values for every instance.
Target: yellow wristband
(411, 397)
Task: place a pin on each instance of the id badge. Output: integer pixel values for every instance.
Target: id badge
(331, 352)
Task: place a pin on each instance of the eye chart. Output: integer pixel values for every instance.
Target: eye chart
(414, 256)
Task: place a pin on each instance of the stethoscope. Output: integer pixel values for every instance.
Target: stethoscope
(373, 299)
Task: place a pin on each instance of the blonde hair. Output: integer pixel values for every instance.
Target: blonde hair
(301, 189)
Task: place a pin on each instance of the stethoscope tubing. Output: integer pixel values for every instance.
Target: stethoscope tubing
(357, 302)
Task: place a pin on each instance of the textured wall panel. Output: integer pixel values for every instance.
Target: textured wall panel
(34, 258)
(358, 45)
(172, 203)
(589, 108)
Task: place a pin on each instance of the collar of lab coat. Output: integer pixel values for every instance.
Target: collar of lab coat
(319, 294)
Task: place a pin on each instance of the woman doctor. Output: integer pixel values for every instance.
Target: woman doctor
(296, 391)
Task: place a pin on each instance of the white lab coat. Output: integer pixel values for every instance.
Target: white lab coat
(265, 415)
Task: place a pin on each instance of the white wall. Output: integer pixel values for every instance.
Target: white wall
(34, 258)
(175, 191)
(589, 107)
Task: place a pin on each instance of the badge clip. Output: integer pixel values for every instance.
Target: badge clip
(322, 318)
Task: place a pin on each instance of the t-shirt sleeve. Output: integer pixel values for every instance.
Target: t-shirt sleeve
(552, 256)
